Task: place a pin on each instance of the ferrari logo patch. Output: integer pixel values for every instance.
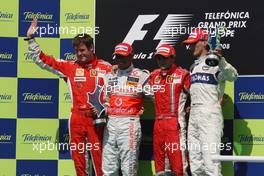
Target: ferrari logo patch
(173, 79)
(93, 73)
(169, 79)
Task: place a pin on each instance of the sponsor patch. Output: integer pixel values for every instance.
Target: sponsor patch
(79, 72)
(177, 79)
(99, 73)
(204, 78)
(132, 84)
(157, 79)
(79, 79)
(132, 81)
(118, 102)
(93, 73)
(169, 79)
(172, 79)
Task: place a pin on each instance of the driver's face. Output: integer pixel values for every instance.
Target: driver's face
(123, 62)
(83, 53)
(197, 48)
(164, 62)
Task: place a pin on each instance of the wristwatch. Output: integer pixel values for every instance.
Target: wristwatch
(28, 38)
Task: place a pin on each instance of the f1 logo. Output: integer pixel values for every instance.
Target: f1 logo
(168, 32)
(135, 32)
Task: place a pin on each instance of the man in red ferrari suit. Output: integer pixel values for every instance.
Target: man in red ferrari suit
(169, 136)
(83, 77)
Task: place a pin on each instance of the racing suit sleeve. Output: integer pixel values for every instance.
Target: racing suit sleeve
(106, 89)
(146, 85)
(146, 88)
(187, 83)
(186, 89)
(34, 52)
(226, 71)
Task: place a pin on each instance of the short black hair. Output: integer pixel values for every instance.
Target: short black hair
(85, 39)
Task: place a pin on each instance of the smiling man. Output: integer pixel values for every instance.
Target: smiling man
(83, 76)
(125, 97)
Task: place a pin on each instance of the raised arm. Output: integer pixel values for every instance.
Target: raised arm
(43, 61)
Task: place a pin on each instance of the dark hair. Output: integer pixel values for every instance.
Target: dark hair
(85, 39)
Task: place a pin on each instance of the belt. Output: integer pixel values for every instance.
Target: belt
(160, 117)
(84, 111)
(122, 116)
(204, 105)
(197, 104)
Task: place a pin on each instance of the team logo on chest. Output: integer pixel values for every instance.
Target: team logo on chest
(97, 72)
(205, 78)
(93, 72)
(79, 75)
(169, 79)
(118, 102)
(132, 81)
(79, 72)
(157, 79)
(173, 79)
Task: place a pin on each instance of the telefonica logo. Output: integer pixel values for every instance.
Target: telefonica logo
(32, 174)
(251, 138)
(5, 97)
(36, 97)
(66, 138)
(5, 55)
(67, 96)
(76, 17)
(25, 175)
(40, 16)
(251, 96)
(70, 56)
(36, 138)
(5, 138)
(28, 56)
(5, 15)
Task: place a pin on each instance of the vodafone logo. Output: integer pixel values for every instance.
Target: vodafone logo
(118, 102)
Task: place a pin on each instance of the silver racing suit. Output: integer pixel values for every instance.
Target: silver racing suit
(122, 134)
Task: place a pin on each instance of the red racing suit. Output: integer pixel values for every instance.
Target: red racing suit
(169, 136)
(81, 79)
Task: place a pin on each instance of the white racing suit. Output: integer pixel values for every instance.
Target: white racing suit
(206, 119)
(122, 134)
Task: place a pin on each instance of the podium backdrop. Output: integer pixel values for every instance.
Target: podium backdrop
(35, 105)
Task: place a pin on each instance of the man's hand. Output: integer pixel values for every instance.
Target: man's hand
(32, 28)
(141, 112)
(218, 52)
(188, 110)
(94, 111)
(114, 69)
